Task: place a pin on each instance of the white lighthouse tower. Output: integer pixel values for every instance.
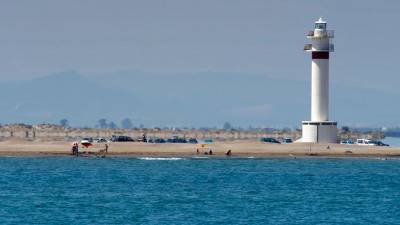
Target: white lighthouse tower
(320, 129)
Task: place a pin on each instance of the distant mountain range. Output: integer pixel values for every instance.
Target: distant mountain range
(202, 99)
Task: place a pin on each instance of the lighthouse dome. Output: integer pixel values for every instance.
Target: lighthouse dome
(320, 20)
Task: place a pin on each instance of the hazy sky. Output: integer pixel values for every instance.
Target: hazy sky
(242, 37)
(42, 37)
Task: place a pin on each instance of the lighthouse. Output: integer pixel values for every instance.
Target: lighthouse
(319, 129)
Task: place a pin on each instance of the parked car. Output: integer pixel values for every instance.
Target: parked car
(176, 139)
(347, 142)
(155, 140)
(287, 140)
(208, 140)
(99, 140)
(193, 141)
(364, 142)
(87, 140)
(121, 139)
(159, 140)
(379, 143)
(270, 140)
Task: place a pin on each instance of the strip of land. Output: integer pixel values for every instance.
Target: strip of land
(238, 148)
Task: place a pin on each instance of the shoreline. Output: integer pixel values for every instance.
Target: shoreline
(238, 148)
(202, 157)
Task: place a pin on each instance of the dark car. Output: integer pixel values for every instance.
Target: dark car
(177, 139)
(287, 140)
(99, 140)
(208, 140)
(347, 142)
(193, 141)
(121, 139)
(379, 143)
(270, 140)
(159, 140)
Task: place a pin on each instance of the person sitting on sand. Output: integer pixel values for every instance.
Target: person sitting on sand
(197, 151)
(211, 152)
(228, 153)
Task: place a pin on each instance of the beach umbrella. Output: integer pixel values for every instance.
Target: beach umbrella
(86, 143)
(202, 145)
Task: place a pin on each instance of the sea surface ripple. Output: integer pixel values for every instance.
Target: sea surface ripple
(64, 190)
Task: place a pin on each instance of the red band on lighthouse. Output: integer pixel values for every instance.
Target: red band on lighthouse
(320, 55)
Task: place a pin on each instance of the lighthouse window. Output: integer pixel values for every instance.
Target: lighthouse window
(320, 26)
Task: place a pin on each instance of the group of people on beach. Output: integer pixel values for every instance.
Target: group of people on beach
(75, 150)
(205, 152)
(228, 153)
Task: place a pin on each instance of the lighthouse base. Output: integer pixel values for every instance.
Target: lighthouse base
(319, 132)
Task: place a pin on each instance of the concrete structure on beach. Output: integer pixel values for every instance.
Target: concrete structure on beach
(320, 129)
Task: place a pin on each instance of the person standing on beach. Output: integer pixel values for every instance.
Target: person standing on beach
(73, 149)
(76, 149)
(103, 152)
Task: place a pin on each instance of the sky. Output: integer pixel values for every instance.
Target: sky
(43, 37)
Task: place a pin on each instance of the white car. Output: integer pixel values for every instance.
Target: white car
(99, 140)
(365, 142)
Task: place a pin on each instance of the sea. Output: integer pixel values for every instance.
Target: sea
(392, 141)
(163, 190)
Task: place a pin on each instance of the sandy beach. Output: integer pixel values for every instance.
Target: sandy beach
(238, 148)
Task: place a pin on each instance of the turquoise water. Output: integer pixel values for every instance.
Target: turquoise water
(49, 190)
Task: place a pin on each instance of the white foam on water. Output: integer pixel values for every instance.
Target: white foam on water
(159, 158)
(200, 157)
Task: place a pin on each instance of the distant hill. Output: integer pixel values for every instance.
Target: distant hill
(66, 95)
(203, 99)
